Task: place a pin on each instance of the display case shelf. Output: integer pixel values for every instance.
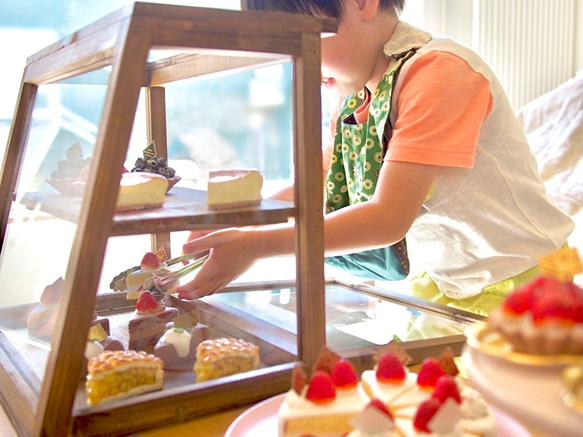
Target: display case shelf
(184, 209)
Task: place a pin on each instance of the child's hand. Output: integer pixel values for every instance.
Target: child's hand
(228, 259)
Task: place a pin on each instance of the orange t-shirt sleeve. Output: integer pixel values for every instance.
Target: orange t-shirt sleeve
(441, 107)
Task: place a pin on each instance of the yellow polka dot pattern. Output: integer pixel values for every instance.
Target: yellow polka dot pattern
(358, 149)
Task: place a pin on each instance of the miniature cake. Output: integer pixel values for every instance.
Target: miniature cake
(234, 188)
(325, 406)
(149, 322)
(121, 374)
(545, 316)
(151, 163)
(151, 263)
(66, 177)
(177, 346)
(135, 281)
(139, 191)
(41, 320)
(414, 399)
(225, 356)
(394, 402)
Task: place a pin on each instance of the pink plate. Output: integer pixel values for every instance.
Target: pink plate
(261, 420)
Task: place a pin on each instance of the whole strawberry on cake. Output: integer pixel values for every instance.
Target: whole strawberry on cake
(434, 401)
(387, 401)
(326, 405)
(149, 322)
(545, 316)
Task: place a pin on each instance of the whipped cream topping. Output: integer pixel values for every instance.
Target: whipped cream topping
(92, 349)
(180, 339)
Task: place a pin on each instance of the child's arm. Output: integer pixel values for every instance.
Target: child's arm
(382, 221)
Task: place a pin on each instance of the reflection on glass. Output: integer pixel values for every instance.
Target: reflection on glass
(353, 319)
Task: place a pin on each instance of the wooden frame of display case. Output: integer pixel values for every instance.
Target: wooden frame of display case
(223, 40)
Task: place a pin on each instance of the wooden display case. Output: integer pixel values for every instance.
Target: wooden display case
(209, 41)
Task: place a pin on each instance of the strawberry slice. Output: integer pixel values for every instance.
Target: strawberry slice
(429, 373)
(379, 405)
(321, 389)
(426, 411)
(390, 369)
(344, 375)
(147, 303)
(445, 387)
(150, 261)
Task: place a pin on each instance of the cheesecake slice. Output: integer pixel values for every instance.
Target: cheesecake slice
(140, 190)
(234, 188)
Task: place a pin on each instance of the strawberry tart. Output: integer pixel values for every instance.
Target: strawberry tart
(543, 317)
(516, 358)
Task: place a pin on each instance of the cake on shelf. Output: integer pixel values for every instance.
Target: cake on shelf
(41, 319)
(225, 356)
(138, 191)
(120, 374)
(149, 322)
(65, 178)
(177, 346)
(234, 188)
(386, 401)
(150, 162)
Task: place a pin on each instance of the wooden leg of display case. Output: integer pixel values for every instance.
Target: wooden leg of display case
(95, 222)
(311, 324)
(156, 125)
(15, 152)
(20, 387)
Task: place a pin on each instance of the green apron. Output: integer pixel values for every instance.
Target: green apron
(357, 157)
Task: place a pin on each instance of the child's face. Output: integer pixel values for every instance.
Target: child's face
(350, 60)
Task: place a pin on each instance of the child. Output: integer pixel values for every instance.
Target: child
(426, 146)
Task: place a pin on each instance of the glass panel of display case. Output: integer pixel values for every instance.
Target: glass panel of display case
(357, 316)
(37, 244)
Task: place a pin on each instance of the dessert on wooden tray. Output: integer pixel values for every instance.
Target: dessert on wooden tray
(234, 188)
(65, 178)
(120, 374)
(386, 401)
(177, 346)
(225, 356)
(138, 191)
(41, 319)
(149, 322)
(150, 162)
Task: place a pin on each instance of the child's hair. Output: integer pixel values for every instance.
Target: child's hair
(327, 8)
